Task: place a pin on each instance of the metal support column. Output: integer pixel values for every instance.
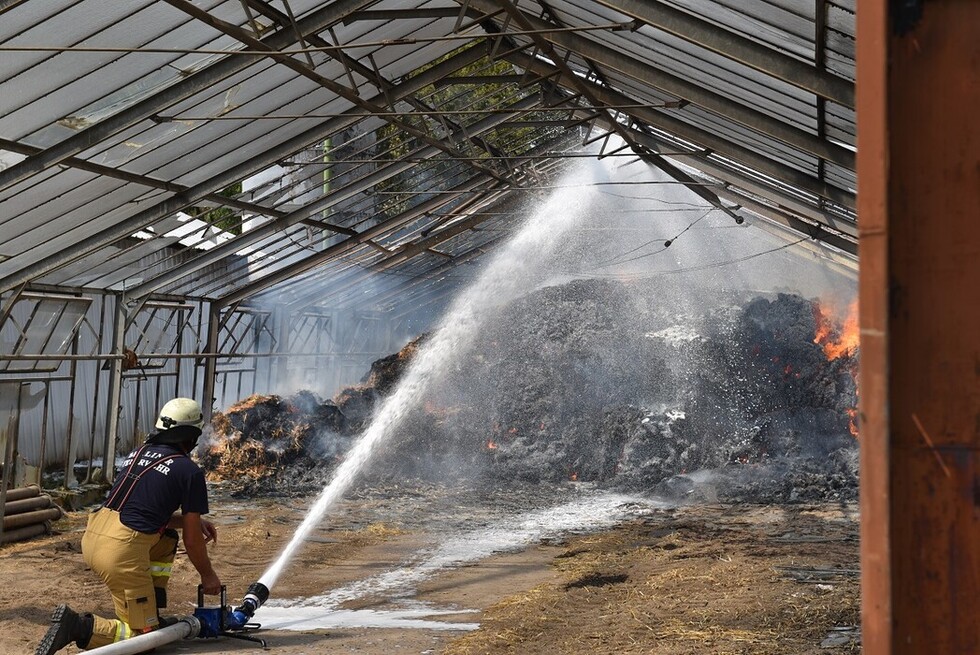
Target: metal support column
(114, 402)
(279, 366)
(919, 156)
(210, 363)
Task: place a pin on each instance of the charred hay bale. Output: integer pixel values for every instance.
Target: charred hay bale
(357, 402)
(778, 344)
(763, 373)
(549, 380)
(387, 371)
(357, 406)
(658, 450)
(572, 382)
(262, 435)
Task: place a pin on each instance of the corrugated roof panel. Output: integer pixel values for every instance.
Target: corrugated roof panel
(78, 218)
(735, 81)
(67, 191)
(113, 32)
(20, 198)
(399, 59)
(60, 24)
(841, 65)
(61, 238)
(67, 84)
(721, 126)
(841, 177)
(841, 54)
(138, 140)
(21, 17)
(788, 28)
(217, 139)
(196, 151)
(114, 267)
(841, 123)
(840, 17)
(691, 63)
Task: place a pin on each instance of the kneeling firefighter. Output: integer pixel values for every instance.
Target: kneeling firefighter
(131, 540)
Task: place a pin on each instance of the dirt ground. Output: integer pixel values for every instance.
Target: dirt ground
(692, 579)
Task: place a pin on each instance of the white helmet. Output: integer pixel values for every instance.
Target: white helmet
(180, 411)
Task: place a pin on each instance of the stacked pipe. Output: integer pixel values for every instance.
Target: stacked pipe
(27, 513)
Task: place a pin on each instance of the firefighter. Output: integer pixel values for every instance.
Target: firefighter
(131, 540)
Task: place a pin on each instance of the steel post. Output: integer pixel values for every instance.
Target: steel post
(114, 403)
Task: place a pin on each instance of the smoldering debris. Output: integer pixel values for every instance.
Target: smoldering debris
(267, 443)
(264, 438)
(592, 381)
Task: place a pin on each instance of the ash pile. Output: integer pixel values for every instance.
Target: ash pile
(591, 382)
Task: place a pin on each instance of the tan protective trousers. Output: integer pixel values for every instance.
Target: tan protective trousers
(131, 564)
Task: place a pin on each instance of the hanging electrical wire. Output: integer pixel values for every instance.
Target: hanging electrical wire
(689, 269)
(667, 242)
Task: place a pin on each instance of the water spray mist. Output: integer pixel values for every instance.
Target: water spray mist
(516, 267)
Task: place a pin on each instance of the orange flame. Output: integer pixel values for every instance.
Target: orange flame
(852, 412)
(839, 342)
(836, 343)
(574, 476)
(491, 445)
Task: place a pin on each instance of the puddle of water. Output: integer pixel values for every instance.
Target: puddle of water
(318, 618)
(587, 513)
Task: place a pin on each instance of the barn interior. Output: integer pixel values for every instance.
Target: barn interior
(555, 267)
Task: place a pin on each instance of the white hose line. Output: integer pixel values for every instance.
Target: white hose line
(186, 627)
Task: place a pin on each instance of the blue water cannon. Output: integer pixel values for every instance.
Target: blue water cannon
(256, 595)
(223, 621)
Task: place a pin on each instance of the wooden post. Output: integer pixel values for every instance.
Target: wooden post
(919, 214)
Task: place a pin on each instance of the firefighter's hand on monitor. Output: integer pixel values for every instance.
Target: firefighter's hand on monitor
(211, 584)
(210, 531)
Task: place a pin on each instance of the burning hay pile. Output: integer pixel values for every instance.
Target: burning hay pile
(261, 437)
(594, 382)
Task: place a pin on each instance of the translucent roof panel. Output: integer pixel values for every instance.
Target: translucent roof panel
(230, 150)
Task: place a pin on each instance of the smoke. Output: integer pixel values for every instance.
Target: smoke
(512, 269)
(628, 334)
(586, 366)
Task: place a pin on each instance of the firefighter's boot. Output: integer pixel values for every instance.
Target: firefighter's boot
(66, 626)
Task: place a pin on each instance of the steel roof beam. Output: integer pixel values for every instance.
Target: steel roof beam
(199, 81)
(401, 14)
(147, 217)
(681, 88)
(269, 229)
(144, 180)
(738, 48)
(366, 72)
(347, 93)
(304, 265)
(399, 256)
(848, 244)
(691, 133)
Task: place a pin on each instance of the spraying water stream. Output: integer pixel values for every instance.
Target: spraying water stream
(516, 268)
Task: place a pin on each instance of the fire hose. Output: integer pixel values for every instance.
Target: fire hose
(207, 622)
(186, 628)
